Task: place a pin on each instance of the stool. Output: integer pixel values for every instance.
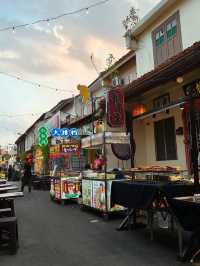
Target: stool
(9, 225)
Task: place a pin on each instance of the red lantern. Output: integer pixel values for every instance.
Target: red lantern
(138, 109)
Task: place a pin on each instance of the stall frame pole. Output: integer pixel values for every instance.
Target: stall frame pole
(193, 140)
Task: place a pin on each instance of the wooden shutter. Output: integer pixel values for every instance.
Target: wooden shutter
(172, 44)
(160, 140)
(170, 139)
(165, 139)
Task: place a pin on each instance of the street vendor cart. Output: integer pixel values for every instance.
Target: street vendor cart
(65, 177)
(96, 185)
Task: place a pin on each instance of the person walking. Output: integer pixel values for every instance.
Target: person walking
(27, 176)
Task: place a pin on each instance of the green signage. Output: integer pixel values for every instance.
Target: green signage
(42, 136)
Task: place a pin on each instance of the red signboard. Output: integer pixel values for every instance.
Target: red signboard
(116, 110)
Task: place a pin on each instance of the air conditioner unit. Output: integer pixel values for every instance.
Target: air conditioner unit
(117, 82)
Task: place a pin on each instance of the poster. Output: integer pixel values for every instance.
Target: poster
(98, 200)
(87, 192)
(70, 189)
(52, 192)
(57, 188)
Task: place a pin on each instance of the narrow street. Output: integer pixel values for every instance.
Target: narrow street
(56, 235)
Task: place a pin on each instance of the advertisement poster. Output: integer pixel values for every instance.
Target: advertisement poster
(52, 192)
(87, 192)
(70, 189)
(98, 200)
(57, 187)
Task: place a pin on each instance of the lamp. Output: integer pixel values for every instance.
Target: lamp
(179, 80)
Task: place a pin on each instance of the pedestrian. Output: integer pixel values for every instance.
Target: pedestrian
(118, 174)
(27, 176)
(10, 172)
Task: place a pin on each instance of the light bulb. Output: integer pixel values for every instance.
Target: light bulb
(13, 29)
(87, 11)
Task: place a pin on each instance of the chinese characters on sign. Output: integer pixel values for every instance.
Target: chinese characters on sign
(64, 132)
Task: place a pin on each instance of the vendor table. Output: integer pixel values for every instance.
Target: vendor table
(7, 199)
(7, 184)
(8, 188)
(187, 213)
(146, 196)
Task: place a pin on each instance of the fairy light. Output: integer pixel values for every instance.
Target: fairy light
(48, 20)
(34, 84)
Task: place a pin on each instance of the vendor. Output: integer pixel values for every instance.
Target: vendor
(98, 163)
(118, 174)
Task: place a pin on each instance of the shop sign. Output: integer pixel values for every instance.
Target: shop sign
(64, 132)
(116, 109)
(70, 148)
(192, 89)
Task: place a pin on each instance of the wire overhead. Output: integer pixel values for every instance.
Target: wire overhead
(33, 83)
(18, 115)
(49, 19)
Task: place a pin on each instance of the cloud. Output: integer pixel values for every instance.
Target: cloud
(57, 55)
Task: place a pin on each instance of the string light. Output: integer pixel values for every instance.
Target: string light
(48, 20)
(33, 83)
(18, 115)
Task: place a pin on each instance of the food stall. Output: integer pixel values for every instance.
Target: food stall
(65, 181)
(96, 185)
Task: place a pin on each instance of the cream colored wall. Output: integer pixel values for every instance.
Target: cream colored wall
(114, 162)
(143, 131)
(190, 25)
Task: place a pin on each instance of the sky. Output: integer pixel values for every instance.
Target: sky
(55, 54)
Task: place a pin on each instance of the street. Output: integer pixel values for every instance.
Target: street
(56, 235)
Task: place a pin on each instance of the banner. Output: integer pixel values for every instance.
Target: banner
(116, 110)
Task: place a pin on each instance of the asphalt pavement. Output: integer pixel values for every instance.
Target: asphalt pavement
(56, 235)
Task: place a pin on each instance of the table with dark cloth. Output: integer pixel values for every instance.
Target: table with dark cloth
(140, 195)
(187, 214)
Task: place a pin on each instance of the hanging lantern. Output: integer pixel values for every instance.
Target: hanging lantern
(138, 109)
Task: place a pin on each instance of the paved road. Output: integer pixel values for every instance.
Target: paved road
(55, 235)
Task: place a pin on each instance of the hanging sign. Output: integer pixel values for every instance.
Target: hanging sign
(116, 110)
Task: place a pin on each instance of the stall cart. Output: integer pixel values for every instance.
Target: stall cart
(96, 186)
(65, 188)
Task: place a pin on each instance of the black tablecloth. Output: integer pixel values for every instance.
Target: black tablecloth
(141, 195)
(187, 213)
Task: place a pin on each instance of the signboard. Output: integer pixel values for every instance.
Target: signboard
(116, 109)
(71, 148)
(57, 188)
(192, 89)
(64, 132)
(70, 189)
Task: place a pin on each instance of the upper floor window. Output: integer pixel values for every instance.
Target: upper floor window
(167, 39)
